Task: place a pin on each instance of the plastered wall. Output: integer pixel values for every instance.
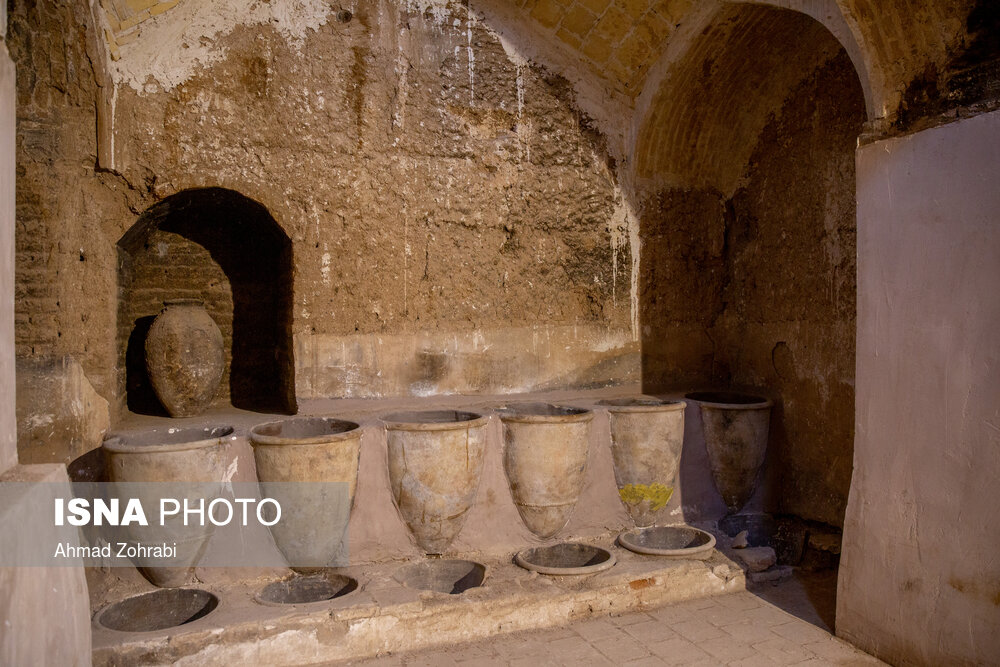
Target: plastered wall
(920, 579)
(8, 437)
(455, 223)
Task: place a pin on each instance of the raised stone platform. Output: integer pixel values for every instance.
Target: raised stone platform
(384, 616)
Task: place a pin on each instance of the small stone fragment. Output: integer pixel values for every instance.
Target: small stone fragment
(758, 559)
(772, 575)
(740, 541)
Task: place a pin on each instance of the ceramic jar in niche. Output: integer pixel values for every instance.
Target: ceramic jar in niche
(185, 357)
(188, 464)
(545, 458)
(736, 430)
(435, 463)
(310, 466)
(647, 435)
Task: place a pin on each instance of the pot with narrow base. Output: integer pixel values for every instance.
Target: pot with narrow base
(435, 462)
(545, 458)
(190, 465)
(736, 431)
(310, 466)
(647, 435)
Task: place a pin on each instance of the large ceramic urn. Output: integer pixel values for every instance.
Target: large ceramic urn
(185, 357)
(186, 464)
(545, 458)
(435, 463)
(310, 466)
(736, 431)
(647, 435)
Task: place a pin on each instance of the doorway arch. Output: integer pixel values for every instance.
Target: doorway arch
(225, 249)
(744, 177)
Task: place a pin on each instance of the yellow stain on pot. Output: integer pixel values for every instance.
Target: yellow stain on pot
(657, 495)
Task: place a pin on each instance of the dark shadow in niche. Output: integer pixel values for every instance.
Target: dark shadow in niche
(256, 256)
(139, 393)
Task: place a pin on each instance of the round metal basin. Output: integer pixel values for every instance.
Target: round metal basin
(442, 576)
(669, 541)
(566, 558)
(305, 589)
(159, 610)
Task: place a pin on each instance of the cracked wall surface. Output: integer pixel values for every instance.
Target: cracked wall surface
(455, 225)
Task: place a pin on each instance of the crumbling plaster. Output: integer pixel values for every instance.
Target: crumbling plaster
(466, 203)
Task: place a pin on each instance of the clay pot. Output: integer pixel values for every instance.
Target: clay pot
(193, 464)
(736, 429)
(647, 435)
(435, 462)
(185, 357)
(545, 458)
(314, 517)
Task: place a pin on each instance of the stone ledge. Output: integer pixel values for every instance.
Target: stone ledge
(383, 616)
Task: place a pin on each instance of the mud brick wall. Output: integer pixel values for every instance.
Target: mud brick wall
(445, 200)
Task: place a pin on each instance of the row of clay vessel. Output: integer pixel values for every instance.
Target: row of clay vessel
(435, 461)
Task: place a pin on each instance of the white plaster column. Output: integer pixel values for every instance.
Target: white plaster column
(8, 140)
(920, 578)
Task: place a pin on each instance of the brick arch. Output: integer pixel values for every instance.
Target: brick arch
(829, 13)
(702, 120)
(227, 250)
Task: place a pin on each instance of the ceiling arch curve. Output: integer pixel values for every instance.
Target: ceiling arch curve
(701, 119)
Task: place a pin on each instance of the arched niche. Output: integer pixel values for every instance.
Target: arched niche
(744, 165)
(227, 250)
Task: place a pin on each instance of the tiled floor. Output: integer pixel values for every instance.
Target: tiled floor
(739, 629)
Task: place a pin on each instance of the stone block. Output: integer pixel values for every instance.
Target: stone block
(139, 5)
(771, 575)
(596, 6)
(634, 52)
(635, 8)
(162, 7)
(569, 38)
(547, 12)
(579, 20)
(597, 48)
(59, 415)
(757, 559)
(613, 25)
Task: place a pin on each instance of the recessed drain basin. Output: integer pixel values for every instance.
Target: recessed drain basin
(670, 541)
(442, 576)
(303, 589)
(566, 558)
(159, 610)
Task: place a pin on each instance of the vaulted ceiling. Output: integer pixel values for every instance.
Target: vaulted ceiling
(619, 42)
